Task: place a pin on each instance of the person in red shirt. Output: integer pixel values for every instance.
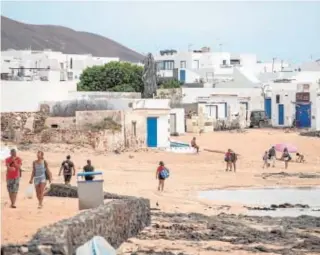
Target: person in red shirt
(161, 176)
(13, 164)
(227, 159)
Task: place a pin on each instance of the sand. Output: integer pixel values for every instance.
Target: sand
(133, 173)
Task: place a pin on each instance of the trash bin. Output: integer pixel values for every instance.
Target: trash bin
(90, 193)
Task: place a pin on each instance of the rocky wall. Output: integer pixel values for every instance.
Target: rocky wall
(14, 123)
(311, 133)
(116, 221)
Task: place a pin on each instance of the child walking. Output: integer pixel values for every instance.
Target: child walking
(265, 158)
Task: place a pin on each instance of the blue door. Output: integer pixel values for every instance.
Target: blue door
(182, 75)
(267, 107)
(152, 132)
(280, 114)
(303, 115)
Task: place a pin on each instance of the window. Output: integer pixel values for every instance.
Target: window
(71, 63)
(168, 65)
(195, 64)
(224, 62)
(165, 65)
(183, 64)
(277, 99)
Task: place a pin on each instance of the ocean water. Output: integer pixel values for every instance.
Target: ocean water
(265, 197)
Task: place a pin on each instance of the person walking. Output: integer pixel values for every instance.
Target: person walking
(234, 159)
(286, 157)
(227, 159)
(40, 174)
(13, 164)
(272, 156)
(266, 160)
(88, 168)
(68, 169)
(162, 174)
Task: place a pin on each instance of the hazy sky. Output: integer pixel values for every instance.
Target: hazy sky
(286, 30)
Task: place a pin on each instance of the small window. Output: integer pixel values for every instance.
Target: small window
(277, 99)
(224, 62)
(183, 64)
(54, 126)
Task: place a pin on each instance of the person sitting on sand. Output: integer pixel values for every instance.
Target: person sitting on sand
(227, 159)
(234, 159)
(162, 174)
(300, 158)
(88, 168)
(286, 157)
(266, 160)
(194, 144)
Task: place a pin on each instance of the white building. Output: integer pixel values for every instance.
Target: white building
(46, 65)
(205, 66)
(294, 101)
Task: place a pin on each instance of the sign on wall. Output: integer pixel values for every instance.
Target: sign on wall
(303, 97)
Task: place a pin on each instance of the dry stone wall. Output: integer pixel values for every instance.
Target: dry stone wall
(116, 221)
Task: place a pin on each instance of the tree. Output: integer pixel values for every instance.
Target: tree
(114, 76)
(170, 84)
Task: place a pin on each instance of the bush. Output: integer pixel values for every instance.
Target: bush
(105, 124)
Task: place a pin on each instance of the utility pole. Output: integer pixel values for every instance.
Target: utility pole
(281, 65)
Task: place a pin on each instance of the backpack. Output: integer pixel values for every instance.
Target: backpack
(164, 173)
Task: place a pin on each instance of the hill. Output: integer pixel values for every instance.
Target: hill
(20, 36)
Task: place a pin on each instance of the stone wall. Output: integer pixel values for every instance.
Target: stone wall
(15, 124)
(104, 140)
(311, 133)
(116, 221)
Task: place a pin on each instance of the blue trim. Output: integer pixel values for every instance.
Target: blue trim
(90, 181)
(152, 131)
(89, 173)
(281, 114)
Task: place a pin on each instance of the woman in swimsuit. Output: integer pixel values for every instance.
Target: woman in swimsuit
(40, 174)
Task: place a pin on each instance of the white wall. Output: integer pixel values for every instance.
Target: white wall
(19, 96)
(286, 98)
(180, 124)
(256, 100)
(151, 104)
(163, 129)
(72, 95)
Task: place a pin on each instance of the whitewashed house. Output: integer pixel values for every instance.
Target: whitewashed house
(47, 65)
(286, 103)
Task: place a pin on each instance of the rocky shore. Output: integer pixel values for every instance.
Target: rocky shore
(228, 233)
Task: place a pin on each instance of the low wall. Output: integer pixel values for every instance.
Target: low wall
(311, 133)
(116, 221)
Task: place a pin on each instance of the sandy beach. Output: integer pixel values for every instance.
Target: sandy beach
(133, 173)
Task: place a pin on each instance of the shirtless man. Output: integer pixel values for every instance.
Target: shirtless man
(194, 144)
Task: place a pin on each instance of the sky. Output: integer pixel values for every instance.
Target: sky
(288, 30)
